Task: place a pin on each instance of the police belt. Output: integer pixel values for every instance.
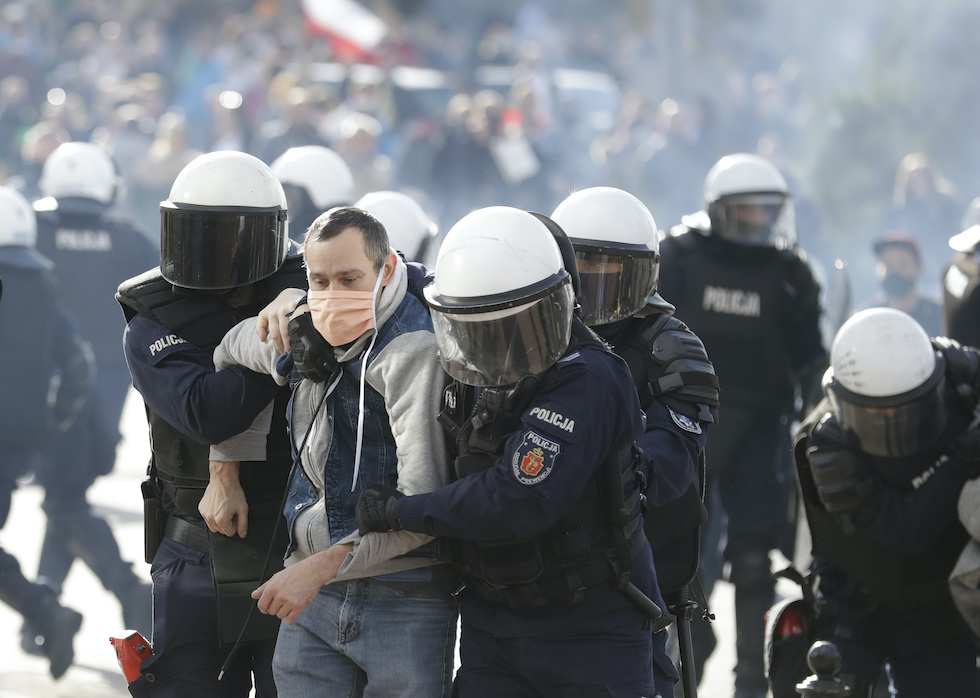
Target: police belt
(569, 587)
(186, 533)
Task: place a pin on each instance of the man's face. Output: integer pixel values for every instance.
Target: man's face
(895, 259)
(342, 264)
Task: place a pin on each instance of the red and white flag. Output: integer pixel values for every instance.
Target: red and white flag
(354, 31)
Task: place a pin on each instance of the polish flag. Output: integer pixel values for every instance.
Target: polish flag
(354, 31)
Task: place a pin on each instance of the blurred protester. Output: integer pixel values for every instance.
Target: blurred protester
(961, 288)
(410, 229)
(358, 143)
(881, 464)
(898, 271)
(94, 249)
(45, 381)
(40, 140)
(315, 179)
(927, 205)
(295, 126)
(737, 278)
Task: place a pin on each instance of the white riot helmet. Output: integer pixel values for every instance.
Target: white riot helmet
(410, 230)
(969, 238)
(18, 232)
(79, 170)
(315, 179)
(617, 251)
(224, 225)
(886, 383)
(501, 301)
(748, 202)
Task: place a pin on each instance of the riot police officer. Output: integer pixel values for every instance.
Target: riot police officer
(53, 361)
(315, 179)
(225, 253)
(739, 281)
(961, 288)
(410, 229)
(881, 463)
(616, 245)
(94, 249)
(544, 518)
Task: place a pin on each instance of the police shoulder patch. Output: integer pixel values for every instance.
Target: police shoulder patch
(685, 423)
(535, 458)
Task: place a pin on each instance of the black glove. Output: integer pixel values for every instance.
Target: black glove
(965, 453)
(312, 354)
(842, 479)
(376, 509)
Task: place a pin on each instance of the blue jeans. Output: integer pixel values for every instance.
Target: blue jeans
(372, 639)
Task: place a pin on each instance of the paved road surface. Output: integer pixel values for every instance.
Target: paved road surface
(95, 673)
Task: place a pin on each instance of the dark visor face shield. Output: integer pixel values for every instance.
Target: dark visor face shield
(895, 426)
(615, 281)
(765, 219)
(496, 344)
(210, 249)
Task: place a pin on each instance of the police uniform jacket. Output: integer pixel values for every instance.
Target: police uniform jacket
(584, 409)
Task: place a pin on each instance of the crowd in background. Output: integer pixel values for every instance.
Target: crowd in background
(493, 113)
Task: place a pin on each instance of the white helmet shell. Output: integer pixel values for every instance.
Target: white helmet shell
(882, 352)
(79, 170)
(495, 250)
(320, 171)
(224, 225)
(18, 225)
(742, 173)
(410, 230)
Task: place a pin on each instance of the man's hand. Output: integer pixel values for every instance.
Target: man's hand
(223, 506)
(274, 318)
(376, 509)
(291, 590)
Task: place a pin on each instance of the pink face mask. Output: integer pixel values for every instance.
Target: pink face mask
(343, 316)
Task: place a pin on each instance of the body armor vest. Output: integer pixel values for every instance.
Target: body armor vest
(733, 299)
(594, 542)
(178, 461)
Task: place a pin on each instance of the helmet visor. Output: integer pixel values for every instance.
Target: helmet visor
(763, 219)
(212, 250)
(494, 347)
(615, 282)
(896, 426)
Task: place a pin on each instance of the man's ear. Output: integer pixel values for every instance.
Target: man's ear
(389, 269)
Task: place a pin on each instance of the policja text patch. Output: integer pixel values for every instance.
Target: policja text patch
(535, 458)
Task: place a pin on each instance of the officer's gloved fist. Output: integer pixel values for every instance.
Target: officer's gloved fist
(376, 509)
(312, 354)
(965, 453)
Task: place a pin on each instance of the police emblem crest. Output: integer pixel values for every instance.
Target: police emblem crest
(535, 458)
(684, 422)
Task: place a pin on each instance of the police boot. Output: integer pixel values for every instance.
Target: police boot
(31, 638)
(754, 595)
(90, 539)
(56, 625)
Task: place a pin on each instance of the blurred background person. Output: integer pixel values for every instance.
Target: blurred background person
(738, 280)
(898, 271)
(46, 380)
(94, 249)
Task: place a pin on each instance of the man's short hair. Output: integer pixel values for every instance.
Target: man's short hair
(335, 221)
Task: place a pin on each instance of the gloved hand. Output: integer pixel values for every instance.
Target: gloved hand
(312, 354)
(376, 509)
(965, 453)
